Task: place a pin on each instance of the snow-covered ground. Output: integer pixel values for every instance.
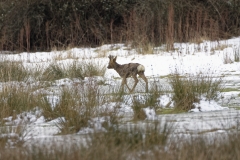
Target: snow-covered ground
(188, 58)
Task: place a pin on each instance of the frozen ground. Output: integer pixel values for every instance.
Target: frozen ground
(210, 57)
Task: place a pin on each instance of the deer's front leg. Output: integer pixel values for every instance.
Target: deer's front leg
(127, 85)
(124, 81)
(136, 81)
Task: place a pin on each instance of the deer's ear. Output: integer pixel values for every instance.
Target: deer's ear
(115, 58)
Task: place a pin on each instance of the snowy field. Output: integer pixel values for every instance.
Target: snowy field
(208, 117)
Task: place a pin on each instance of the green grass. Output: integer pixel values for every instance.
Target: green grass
(169, 111)
(235, 107)
(229, 89)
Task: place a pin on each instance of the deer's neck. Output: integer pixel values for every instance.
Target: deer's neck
(119, 69)
(117, 66)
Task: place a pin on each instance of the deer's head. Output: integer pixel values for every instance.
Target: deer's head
(112, 61)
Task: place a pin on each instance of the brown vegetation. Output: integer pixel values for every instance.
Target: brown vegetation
(42, 25)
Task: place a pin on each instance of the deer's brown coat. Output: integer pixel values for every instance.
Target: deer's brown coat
(128, 70)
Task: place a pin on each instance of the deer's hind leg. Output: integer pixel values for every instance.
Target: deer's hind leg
(145, 79)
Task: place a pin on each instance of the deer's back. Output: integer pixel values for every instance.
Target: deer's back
(130, 69)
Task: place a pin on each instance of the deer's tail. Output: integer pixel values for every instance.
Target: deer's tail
(141, 68)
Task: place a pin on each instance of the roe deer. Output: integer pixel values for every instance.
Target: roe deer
(128, 70)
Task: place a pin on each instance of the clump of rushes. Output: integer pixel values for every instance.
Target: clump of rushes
(189, 90)
(53, 72)
(151, 99)
(129, 141)
(137, 106)
(72, 114)
(76, 69)
(76, 107)
(13, 71)
(91, 69)
(15, 99)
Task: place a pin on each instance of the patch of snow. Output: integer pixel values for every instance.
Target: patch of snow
(86, 130)
(150, 113)
(120, 108)
(57, 120)
(205, 106)
(23, 118)
(165, 101)
(40, 120)
(62, 82)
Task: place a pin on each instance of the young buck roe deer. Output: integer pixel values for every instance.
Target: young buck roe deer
(128, 70)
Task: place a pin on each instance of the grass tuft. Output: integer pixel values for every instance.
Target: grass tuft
(15, 100)
(76, 69)
(13, 71)
(189, 90)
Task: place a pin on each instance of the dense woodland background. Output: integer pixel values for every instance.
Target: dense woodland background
(41, 25)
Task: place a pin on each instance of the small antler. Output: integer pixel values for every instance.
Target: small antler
(112, 57)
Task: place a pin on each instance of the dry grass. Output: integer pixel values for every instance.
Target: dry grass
(13, 71)
(76, 69)
(16, 99)
(134, 143)
(189, 90)
(227, 59)
(145, 48)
